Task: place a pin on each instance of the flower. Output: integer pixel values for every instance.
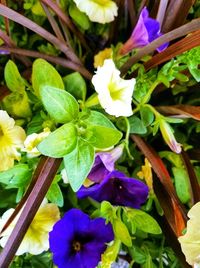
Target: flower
(190, 242)
(101, 11)
(77, 241)
(168, 136)
(11, 139)
(118, 190)
(114, 93)
(146, 174)
(101, 56)
(36, 239)
(145, 31)
(32, 141)
(104, 163)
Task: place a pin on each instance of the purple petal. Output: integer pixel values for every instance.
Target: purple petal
(118, 190)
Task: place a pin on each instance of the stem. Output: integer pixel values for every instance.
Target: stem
(148, 95)
(127, 138)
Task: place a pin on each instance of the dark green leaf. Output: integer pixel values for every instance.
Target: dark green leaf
(136, 125)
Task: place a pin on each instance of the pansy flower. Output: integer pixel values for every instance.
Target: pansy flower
(114, 93)
(77, 241)
(145, 31)
(105, 163)
(11, 139)
(102, 11)
(118, 190)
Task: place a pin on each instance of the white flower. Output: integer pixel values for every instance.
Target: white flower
(101, 11)
(114, 93)
(11, 139)
(36, 239)
(32, 141)
(190, 242)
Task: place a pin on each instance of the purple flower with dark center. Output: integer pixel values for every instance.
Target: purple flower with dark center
(105, 163)
(76, 241)
(145, 31)
(118, 190)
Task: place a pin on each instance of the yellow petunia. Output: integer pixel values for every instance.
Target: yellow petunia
(102, 11)
(11, 139)
(146, 174)
(190, 242)
(36, 239)
(101, 56)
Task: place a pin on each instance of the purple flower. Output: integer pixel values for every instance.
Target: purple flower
(118, 190)
(77, 241)
(104, 163)
(145, 31)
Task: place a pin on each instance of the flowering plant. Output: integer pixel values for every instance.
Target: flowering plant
(99, 146)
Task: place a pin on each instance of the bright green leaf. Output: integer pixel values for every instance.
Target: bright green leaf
(60, 105)
(121, 232)
(147, 116)
(136, 125)
(60, 142)
(78, 163)
(45, 74)
(54, 195)
(79, 17)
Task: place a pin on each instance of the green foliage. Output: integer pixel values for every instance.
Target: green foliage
(60, 105)
(136, 125)
(54, 194)
(79, 17)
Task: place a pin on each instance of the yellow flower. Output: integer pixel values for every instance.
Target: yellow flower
(146, 174)
(190, 242)
(114, 93)
(11, 139)
(36, 239)
(32, 141)
(101, 56)
(101, 11)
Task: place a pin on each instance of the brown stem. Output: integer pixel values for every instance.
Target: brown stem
(56, 60)
(161, 11)
(45, 178)
(132, 12)
(179, 32)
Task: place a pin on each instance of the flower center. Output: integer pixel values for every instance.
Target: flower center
(1, 132)
(76, 245)
(101, 2)
(118, 184)
(115, 92)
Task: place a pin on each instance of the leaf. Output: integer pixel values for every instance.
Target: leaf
(60, 142)
(75, 85)
(79, 17)
(110, 255)
(78, 163)
(60, 105)
(136, 125)
(121, 232)
(182, 184)
(104, 133)
(13, 79)
(143, 221)
(54, 195)
(147, 116)
(45, 74)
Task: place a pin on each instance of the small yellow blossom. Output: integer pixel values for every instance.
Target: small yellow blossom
(32, 141)
(101, 56)
(11, 139)
(114, 93)
(190, 242)
(146, 174)
(36, 239)
(101, 11)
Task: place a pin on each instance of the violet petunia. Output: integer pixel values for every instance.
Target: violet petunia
(77, 241)
(145, 31)
(105, 163)
(118, 190)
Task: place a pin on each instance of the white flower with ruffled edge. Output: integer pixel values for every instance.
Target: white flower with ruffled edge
(102, 11)
(36, 239)
(114, 93)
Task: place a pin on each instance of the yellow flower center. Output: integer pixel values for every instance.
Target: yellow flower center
(101, 2)
(115, 92)
(76, 245)
(1, 132)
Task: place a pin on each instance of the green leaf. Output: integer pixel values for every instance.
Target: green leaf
(54, 195)
(104, 133)
(45, 74)
(60, 105)
(182, 184)
(75, 85)
(17, 176)
(121, 232)
(78, 163)
(136, 125)
(79, 17)
(60, 142)
(147, 116)
(143, 221)
(13, 79)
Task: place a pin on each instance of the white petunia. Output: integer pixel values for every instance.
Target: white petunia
(114, 93)
(102, 11)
